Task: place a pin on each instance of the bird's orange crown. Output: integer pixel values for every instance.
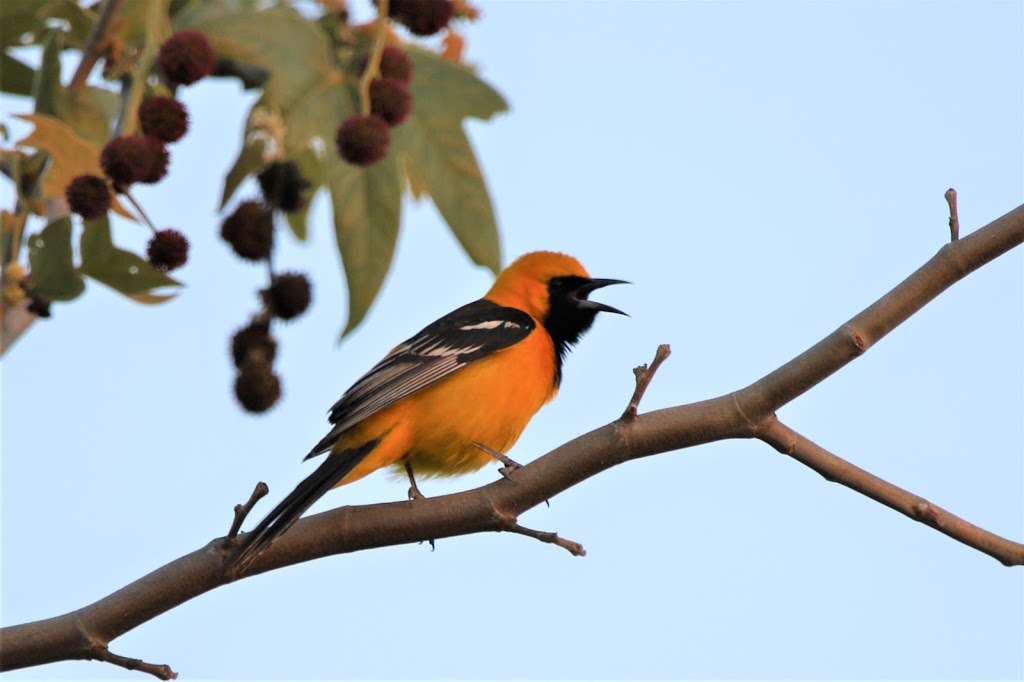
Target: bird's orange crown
(524, 283)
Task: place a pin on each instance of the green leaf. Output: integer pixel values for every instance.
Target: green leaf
(438, 157)
(18, 17)
(120, 270)
(249, 159)
(49, 255)
(312, 169)
(316, 115)
(297, 222)
(440, 160)
(89, 111)
(46, 85)
(80, 20)
(15, 77)
(293, 49)
(367, 212)
(451, 90)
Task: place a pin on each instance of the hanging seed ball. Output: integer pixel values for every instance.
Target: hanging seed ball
(253, 342)
(395, 63)
(363, 140)
(127, 159)
(158, 160)
(167, 250)
(390, 100)
(257, 387)
(186, 57)
(288, 295)
(164, 118)
(88, 196)
(422, 17)
(250, 230)
(282, 185)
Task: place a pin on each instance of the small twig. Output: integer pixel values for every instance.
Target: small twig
(97, 41)
(160, 671)
(373, 61)
(510, 464)
(834, 468)
(137, 207)
(954, 218)
(242, 510)
(643, 375)
(509, 524)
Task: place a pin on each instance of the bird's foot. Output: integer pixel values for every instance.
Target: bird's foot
(509, 464)
(414, 490)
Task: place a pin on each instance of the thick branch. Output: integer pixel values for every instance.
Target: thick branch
(953, 262)
(833, 468)
(745, 413)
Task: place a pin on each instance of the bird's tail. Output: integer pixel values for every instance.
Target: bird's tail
(288, 510)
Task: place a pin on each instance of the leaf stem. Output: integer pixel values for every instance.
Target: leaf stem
(373, 62)
(138, 208)
(97, 39)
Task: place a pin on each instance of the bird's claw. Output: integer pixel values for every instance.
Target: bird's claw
(509, 467)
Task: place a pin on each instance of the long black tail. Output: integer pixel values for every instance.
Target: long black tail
(288, 511)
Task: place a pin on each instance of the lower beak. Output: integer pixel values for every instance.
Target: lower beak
(584, 290)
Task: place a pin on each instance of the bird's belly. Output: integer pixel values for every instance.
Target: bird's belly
(487, 402)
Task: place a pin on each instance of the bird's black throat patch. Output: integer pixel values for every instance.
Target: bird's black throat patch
(565, 321)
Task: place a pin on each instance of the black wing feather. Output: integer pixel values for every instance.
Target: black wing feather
(464, 335)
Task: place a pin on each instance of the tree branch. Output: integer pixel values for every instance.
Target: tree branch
(789, 442)
(93, 48)
(749, 412)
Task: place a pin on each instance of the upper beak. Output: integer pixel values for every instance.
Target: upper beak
(584, 290)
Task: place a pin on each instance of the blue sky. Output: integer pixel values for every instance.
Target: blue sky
(761, 171)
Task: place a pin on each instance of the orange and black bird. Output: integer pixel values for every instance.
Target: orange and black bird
(464, 386)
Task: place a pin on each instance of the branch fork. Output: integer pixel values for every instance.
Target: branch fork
(747, 412)
(644, 374)
(242, 510)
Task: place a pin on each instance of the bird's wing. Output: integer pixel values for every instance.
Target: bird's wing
(469, 333)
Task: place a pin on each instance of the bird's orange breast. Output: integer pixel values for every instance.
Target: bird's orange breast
(489, 401)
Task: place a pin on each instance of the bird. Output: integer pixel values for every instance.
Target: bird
(457, 394)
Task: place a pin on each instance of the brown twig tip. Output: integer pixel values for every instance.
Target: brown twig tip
(644, 374)
(242, 510)
(160, 671)
(954, 217)
(508, 523)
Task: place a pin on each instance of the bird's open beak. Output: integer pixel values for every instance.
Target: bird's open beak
(587, 287)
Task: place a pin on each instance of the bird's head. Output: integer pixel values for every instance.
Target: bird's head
(554, 289)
